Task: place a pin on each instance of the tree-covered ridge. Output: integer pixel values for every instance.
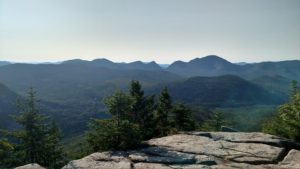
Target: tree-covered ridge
(227, 90)
(8, 100)
(72, 89)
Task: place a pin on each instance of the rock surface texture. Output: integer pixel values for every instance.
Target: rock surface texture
(201, 150)
(30, 166)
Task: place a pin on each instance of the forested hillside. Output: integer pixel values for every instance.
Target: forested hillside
(213, 66)
(8, 101)
(221, 91)
(72, 92)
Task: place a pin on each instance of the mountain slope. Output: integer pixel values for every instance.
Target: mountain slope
(73, 93)
(213, 66)
(274, 84)
(220, 91)
(207, 66)
(71, 120)
(8, 100)
(287, 69)
(3, 63)
(79, 82)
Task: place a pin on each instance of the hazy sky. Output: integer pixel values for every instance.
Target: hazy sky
(160, 30)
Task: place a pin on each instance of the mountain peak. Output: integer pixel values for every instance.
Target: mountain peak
(73, 61)
(209, 58)
(102, 60)
(210, 65)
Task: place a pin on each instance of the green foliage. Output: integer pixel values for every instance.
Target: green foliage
(183, 119)
(286, 122)
(119, 105)
(293, 88)
(120, 132)
(142, 109)
(163, 112)
(38, 140)
(112, 134)
(216, 122)
(5, 149)
(76, 147)
(136, 117)
(249, 118)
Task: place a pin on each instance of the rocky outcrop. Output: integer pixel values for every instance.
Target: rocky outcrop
(200, 150)
(30, 166)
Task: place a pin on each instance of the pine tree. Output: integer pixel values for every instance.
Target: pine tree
(286, 121)
(33, 133)
(53, 148)
(119, 132)
(163, 111)
(142, 108)
(139, 101)
(183, 118)
(119, 105)
(38, 139)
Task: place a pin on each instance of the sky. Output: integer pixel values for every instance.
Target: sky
(146, 30)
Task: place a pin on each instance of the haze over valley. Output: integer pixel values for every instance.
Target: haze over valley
(72, 91)
(131, 84)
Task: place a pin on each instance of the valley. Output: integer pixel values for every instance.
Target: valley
(72, 92)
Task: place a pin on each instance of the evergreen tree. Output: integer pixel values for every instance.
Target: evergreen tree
(286, 121)
(119, 105)
(32, 136)
(53, 148)
(216, 122)
(112, 135)
(163, 111)
(133, 119)
(142, 108)
(183, 118)
(116, 133)
(38, 140)
(138, 106)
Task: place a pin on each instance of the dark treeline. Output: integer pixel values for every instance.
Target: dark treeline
(136, 117)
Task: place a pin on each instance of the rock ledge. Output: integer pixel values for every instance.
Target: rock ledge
(201, 150)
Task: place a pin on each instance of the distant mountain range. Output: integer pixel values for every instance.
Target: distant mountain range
(3, 63)
(215, 66)
(72, 91)
(211, 65)
(112, 65)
